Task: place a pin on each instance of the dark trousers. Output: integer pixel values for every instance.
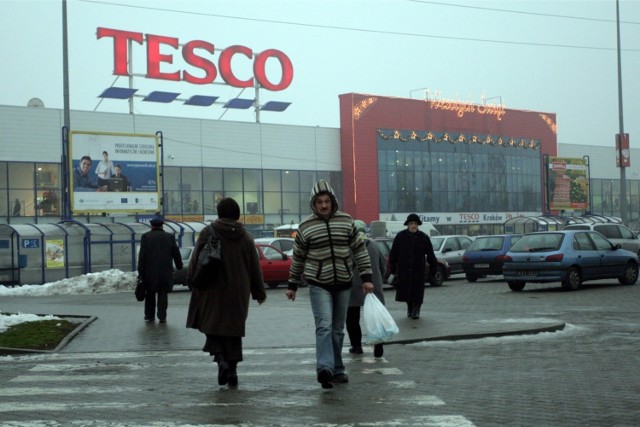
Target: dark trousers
(224, 348)
(150, 305)
(353, 326)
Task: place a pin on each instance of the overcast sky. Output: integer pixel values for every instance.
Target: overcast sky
(549, 56)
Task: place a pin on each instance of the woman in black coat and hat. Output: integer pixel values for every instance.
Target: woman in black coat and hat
(407, 262)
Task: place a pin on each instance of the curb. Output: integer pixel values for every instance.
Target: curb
(477, 335)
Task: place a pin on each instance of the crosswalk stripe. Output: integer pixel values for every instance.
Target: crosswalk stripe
(421, 421)
(39, 391)
(86, 384)
(70, 378)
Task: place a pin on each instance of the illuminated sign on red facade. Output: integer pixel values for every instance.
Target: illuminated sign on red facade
(197, 53)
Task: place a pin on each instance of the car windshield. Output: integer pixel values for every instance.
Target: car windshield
(493, 243)
(539, 243)
(437, 243)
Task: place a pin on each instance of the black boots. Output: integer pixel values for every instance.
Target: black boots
(227, 373)
(413, 310)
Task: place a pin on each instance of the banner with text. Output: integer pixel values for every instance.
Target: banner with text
(114, 173)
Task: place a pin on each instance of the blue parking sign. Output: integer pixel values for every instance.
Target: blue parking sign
(31, 243)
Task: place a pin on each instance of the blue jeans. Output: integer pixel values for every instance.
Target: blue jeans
(330, 313)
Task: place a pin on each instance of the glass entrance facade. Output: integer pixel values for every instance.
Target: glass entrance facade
(442, 172)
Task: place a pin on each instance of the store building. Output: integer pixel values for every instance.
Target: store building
(466, 168)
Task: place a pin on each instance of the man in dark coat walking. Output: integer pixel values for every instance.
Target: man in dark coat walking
(157, 249)
(407, 262)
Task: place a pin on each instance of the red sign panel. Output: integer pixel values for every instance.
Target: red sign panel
(623, 155)
(198, 54)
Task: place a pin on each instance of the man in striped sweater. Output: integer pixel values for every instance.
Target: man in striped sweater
(322, 252)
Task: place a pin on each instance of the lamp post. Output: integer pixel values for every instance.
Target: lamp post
(623, 178)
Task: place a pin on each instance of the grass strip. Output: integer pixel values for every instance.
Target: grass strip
(38, 335)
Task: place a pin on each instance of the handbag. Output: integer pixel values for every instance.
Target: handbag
(209, 259)
(377, 320)
(140, 289)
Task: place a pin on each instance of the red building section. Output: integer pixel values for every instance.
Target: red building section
(361, 115)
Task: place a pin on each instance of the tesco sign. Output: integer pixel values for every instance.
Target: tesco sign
(198, 54)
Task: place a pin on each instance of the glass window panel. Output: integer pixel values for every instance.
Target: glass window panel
(209, 201)
(291, 181)
(3, 175)
(307, 179)
(193, 177)
(233, 180)
(272, 202)
(49, 202)
(172, 202)
(191, 202)
(291, 201)
(22, 203)
(47, 175)
(252, 203)
(171, 178)
(22, 176)
(4, 208)
(252, 180)
(384, 202)
(212, 179)
(271, 180)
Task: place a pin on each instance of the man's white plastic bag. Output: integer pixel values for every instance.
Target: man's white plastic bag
(377, 320)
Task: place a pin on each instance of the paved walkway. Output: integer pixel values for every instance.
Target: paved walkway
(115, 321)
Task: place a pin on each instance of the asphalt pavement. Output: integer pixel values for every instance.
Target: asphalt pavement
(114, 322)
(120, 371)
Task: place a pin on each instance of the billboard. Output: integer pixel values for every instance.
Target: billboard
(568, 184)
(114, 172)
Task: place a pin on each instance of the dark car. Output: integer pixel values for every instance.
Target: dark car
(485, 255)
(570, 257)
(437, 279)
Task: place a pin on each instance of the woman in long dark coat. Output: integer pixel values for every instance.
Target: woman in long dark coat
(407, 262)
(220, 310)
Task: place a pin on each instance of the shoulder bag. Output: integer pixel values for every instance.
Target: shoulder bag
(209, 259)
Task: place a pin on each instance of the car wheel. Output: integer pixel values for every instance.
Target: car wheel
(630, 274)
(438, 277)
(273, 285)
(471, 277)
(516, 286)
(573, 280)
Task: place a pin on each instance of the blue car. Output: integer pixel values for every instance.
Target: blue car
(569, 257)
(485, 255)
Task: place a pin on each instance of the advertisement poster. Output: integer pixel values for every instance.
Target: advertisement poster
(568, 184)
(114, 173)
(55, 253)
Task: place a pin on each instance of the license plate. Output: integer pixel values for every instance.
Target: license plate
(527, 273)
(482, 265)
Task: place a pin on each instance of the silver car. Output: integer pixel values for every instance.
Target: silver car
(451, 248)
(617, 234)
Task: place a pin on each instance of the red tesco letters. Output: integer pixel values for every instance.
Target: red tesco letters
(192, 53)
